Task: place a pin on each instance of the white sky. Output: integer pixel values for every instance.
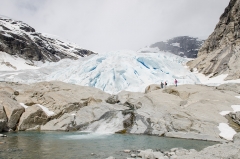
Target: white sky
(106, 25)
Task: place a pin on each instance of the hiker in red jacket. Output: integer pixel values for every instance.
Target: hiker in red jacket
(175, 82)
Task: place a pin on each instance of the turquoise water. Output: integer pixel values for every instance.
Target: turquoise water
(76, 145)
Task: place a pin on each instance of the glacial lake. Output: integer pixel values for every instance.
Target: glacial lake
(78, 145)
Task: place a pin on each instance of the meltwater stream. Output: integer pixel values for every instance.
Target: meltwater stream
(78, 145)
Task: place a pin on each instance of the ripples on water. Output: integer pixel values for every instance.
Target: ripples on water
(79, 145)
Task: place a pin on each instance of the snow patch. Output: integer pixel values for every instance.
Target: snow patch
(13, 63)
(226, 131)
(23, 105)
(235, 108)
(237, 97)
(149, 50)
(223, 113)
(46, 110)
(213, 81)
(176, 44)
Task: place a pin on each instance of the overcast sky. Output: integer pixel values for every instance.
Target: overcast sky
(106, 25)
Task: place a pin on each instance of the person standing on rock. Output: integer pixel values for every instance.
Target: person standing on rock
(165, 84)
(161, 85)
(175, 82)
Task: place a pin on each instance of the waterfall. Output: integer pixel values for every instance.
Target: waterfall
(110, 122)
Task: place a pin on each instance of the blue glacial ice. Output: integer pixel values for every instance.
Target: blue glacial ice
(115, 71)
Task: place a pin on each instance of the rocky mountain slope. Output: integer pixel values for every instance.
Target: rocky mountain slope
(220, 53)
(183, 46)
(21, 40)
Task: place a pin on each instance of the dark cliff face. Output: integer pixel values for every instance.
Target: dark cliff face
(220, 54)
(18, 38)
(183, 46)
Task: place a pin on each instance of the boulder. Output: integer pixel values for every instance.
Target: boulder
(236, 138)
(152, 87)
(133, 104)
(3, 119)
(12, 109)
(82, 118)
(182, 94)
(123, 96)
(235, 87)
(32, 117)
(62, 123)
(112, 99)
(235, 117)
(150, 154)
(16, 93)
(127, 151)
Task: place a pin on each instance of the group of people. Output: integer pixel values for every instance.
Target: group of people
(165, 84)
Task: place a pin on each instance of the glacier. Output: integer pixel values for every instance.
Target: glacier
(111, 72)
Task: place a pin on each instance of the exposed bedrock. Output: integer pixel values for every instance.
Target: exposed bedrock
(186, 111)
(226, 150)
(235, 117)
(220, 52)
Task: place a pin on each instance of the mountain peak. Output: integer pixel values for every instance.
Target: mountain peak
(183, 46)
(20, 39)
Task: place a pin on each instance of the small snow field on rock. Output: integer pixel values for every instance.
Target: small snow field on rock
(213, 81)
(226, 131)
(23, 105)
(46, 110)
(14, 63)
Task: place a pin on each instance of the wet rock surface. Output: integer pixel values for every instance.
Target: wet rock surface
(225, 150)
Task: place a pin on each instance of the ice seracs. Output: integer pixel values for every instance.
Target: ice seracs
(126, 70)
(115, 71)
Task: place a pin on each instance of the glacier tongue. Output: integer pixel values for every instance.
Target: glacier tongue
(115, 71)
